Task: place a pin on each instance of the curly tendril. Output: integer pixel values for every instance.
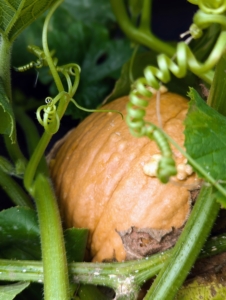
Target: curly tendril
(70, 70)
(210, 6)
(40, 62)
(47, 114)
(50, 119)
(153, 76)
(139, 127)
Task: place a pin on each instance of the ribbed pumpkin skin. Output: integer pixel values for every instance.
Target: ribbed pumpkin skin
(98, 176)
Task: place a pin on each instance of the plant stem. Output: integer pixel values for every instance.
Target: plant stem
(34, 161)
(14, 190)
(216, 97)
(5, 54)
(137, 35)
(56, 282)
(49, 59)
(145, 22)
(14, 270)
(62, 104)
(187, 247)
(32, 137)
(46, 137)
(15, 154)
(87, 273)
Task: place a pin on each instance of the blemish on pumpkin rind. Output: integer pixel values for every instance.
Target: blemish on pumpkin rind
(142, 242)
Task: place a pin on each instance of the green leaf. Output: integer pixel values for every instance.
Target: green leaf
(7, 124)
(90, 292)
(9, 292)
(130, 73)
(34, 292)
(19, 234)
(98, 11)
(205, 136)
(16, 15)
(76, 239)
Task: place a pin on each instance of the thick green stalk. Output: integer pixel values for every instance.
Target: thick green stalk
(14, 190)
(21, 270)
(103, 274)
(5, 60)
(5, 54)
(187, 247)
(219, 87)
(145, 21)
(32, 138)
(15, 154)
(35, 160)
(56, 282)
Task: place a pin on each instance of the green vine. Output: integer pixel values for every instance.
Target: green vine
(105, 274)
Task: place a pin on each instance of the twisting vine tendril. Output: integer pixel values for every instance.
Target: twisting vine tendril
(50, 120)
(40, 62)
(210, 6)
(47, 114)
(48, 117)
(210, 12)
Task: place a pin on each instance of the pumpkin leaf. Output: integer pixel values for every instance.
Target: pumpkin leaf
(34, 291)
(91, 292)
(122, 85)
(129, 73)
(20, 236)
(7, 124)
(18, 14)
(9, 292)
(90, 11)
(76, 239)
(205, 136)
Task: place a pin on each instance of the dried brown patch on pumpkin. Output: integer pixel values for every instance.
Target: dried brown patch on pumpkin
(142, 242)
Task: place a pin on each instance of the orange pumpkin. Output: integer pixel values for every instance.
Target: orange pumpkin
(100, 174)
